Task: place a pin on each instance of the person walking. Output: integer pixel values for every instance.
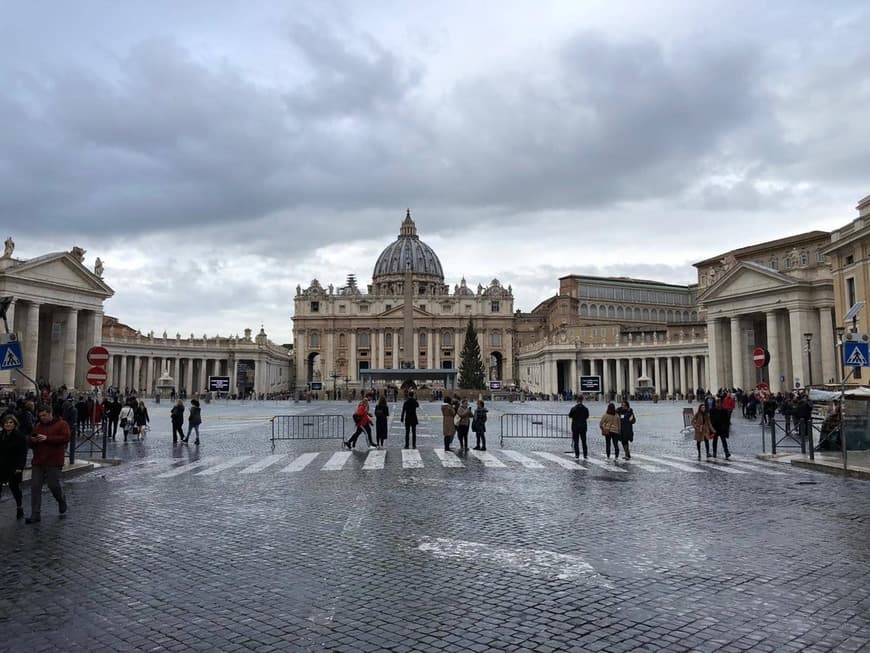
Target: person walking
(626, 427)
(194, 419)
(382, 415)
(176, 415)
(13, 457)
(126, 417)
(48, 441)
(579, 415)
(703, 429)
(720, 421)
(140, 419)
(464, 413)
(478, 425)
(448, 416)
(113, 413)
(363, 420)
(409, 419)
(610, 427)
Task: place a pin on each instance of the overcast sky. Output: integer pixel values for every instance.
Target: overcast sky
(215, 155)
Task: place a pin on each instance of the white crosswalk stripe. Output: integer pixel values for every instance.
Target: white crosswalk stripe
(559, 460)
(522, 459)
(507, 459)
(375, 459)
(232, 462)
(263, 463)
(301, 462)
(487, 459)
(681, 466)
(411, 459)
(336, 461)
(710, 465)
(448, 458)
(183, 469)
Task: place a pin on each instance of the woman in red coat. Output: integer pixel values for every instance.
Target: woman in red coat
(50, 437)
(363, 420)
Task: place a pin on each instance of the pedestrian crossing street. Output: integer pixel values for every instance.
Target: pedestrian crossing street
(505, 459)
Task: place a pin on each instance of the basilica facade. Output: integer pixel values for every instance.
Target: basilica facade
(340, 332)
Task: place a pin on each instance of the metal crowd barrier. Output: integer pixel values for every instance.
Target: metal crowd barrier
(799, 434)
(308, 427)
(529, 426)
(88, 440)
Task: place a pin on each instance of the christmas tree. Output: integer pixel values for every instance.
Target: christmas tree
(471, 374)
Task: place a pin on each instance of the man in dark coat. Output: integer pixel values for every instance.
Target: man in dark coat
(579, 414)
(50, 437)
(113, 411)
(409, 419)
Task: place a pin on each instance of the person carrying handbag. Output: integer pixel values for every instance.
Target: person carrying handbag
(126, 420)
(448, 415)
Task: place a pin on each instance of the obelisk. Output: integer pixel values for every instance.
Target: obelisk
(408, 358)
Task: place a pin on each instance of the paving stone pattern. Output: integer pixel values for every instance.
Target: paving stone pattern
(438, 558)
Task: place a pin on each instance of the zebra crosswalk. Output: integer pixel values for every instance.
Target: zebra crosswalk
(375, 460)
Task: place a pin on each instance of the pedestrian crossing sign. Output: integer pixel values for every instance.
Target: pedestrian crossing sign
(10, 356)
(855, 354)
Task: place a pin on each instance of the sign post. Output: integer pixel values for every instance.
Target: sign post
(96, 376)
(98, 356)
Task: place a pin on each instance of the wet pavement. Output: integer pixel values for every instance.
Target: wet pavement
(236, 545)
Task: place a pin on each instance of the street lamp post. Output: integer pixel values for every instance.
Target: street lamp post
(335, 376)
(809, 338)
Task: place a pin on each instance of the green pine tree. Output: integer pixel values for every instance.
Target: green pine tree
(471, 374)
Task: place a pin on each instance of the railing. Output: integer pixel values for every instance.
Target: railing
(533, 426)
(308, 427)
(790, 434)
(87, 440)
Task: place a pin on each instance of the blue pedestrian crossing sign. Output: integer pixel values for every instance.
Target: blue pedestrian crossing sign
(856, 354)
(10, 356)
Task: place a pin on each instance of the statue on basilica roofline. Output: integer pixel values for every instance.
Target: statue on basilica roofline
(98, 267)
(79, 253)
(9, 247)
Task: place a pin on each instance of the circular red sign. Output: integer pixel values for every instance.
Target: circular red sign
(96, 376)
(98, 355)
(759, 357)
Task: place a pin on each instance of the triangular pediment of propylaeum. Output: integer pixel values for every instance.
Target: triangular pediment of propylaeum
(746, 278)
(399, 311)
(59, 269)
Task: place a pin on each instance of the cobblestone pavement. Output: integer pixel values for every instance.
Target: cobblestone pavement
(235, 545)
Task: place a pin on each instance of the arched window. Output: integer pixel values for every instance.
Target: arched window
(620, 313)
(362, 339)
(694, 316)
(388, 340)
(611, 311)
(646, 314)
(670, 316)
(584, 310)
(774, 263)
(654, 315)
(447, 338)
(805, 258)
(342, 340)
(637, 315)
(685, 316)
(593, 310)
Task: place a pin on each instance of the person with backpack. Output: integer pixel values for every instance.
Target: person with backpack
(363, 420)
(579, 415)
(409, 419)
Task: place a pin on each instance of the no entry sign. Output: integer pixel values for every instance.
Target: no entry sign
(96, 376)
(98, 356)
(761, 357)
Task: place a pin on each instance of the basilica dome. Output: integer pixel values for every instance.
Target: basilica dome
(408, 252)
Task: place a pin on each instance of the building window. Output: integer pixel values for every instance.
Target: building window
(363, 308)
(820, 258)
(422, 307)
(774, 263)
(447, 339)
(315, 307)
(388, 307)
(493, 307)
(787, 263)
(342, 340)
(496, 340)
(388, 340)
(446, 308)
(805, 258)
(468, 308)
(363, 339)
(850, 292)
(314, 340)
(342, 308)
(850, 259)
(594, 333)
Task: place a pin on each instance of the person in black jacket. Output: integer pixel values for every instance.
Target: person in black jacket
(409, 419)
(626, 427)
(113, 411)
(720, 419)
(382, 415)
(578, 415)
(478, 425)
(177, 417)
(13, 457)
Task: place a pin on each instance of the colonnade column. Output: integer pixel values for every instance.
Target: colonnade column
(632, 375)
(620, 377)
(188, 377)
(799, 324)
(396, 353)
(352, 367)
(31, 339)
(231, 371)
(671, 390)
(457, 347)
(382, 339)
(826, 343)
(605, 376)
(736, 353)
(430, 349)
(137, 373)
(774, 368)
(70, 335)
(696, 380)
(681, 374)
(644, 370)
(110, 370)
(203, 375)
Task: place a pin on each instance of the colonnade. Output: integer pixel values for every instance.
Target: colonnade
(141, 372)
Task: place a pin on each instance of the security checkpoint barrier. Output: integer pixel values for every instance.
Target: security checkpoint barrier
(533, 426)
(308, 427)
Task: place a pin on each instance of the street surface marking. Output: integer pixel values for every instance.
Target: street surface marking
(562, 462)
(232, 462)
(336, 461)
(530, 561)
(643, 466)
(524, 460)
(181, 469)
(300, 463)
(606, 464)
(375, 459)
(718, 468)
(260, 465)
(755, 468)
(487, 459)
(448, 458)
(411, 459)
(680, 466)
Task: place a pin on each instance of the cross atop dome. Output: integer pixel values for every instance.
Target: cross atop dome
(408, 226)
